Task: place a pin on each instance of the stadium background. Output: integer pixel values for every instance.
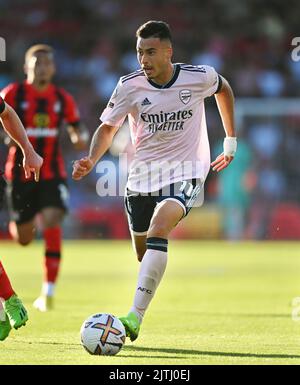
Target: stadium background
(248, 42)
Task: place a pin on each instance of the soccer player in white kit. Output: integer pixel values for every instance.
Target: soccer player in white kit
(165, 106)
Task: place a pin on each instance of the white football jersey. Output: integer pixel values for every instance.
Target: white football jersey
(167, 124)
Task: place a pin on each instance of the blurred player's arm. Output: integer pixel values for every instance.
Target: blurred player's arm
(78, 133)
(79, 136)
(101, 142)
(13, 126)
(225, 103)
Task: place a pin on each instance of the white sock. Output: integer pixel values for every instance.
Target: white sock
(152, 269)
(48, 289)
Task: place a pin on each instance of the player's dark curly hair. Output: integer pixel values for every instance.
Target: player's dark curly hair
(152, 28)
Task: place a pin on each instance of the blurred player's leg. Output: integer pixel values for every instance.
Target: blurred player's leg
(22, 203)
(12, 311)
(52, 218)
(15, 311)
(5, 327)
(22, 233)
(153, 265)
(6, 290)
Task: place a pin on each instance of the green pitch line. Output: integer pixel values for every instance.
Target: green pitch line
(219, 303)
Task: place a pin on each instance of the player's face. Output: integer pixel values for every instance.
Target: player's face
(154, 56)
(40, 68)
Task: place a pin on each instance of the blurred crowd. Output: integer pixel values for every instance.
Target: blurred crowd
(247, 42)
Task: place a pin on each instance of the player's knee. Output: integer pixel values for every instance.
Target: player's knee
(53, 221)
(26, 237)
(20, 239)
(159, 230)
(23, 234)
(24, 241)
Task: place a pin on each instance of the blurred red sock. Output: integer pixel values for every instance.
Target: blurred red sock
(6, 291)
(52, 238)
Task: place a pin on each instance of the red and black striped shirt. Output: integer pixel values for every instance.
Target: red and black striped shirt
(42, 114)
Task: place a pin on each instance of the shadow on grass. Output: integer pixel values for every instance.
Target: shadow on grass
(184, 353)
(187, 352)
(259, 315)
(70, 345)
(160, 357)
(243, 315)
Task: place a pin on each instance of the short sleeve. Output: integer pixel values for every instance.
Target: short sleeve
(213, 81)
(2, 105)
(117, 108)
(71, 111)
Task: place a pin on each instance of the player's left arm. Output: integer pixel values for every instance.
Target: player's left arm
(79, 135)
(225, 103)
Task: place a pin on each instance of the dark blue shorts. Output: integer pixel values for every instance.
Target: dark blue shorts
(140, 206)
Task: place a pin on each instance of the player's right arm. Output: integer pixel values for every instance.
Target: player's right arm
(32, 162)
(112, 117)
(101, 142)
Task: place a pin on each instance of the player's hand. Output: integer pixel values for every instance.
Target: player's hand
(82, 168)
(221, 162)
(32, 162)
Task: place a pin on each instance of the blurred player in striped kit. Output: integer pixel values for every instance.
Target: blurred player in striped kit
(12, 312)
(43, 108)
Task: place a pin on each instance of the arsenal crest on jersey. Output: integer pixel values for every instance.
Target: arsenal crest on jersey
(185, 96)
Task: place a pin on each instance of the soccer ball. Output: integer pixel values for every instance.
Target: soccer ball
(102, 334)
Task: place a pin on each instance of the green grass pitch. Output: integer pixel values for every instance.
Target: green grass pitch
(218, 303)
